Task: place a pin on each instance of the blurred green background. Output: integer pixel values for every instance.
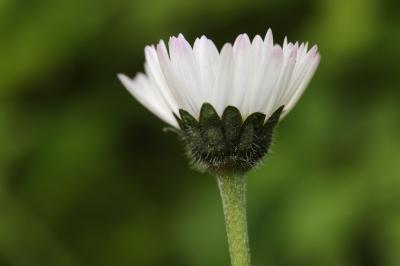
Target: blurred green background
(87, 177)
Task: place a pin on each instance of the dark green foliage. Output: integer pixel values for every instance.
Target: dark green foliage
(226, 145)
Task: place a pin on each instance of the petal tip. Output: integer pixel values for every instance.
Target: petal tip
(122, 77)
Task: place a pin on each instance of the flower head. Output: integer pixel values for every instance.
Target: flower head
(208, 94)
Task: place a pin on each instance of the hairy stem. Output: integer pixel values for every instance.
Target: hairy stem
(233, 194)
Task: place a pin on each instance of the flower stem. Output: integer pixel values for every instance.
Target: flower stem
(233, 194)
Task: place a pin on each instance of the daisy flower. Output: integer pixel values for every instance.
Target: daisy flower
(189, 87)
(225, 105)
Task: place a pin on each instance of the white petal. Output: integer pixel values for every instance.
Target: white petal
(172, 80)
(257, 58)
(269, 40)
(241, 70)
(206, 56)
(153, 70)
(289, 53)
(184, 68)
(303, 84)
(224, 81)
(145, 93)
(271, 80)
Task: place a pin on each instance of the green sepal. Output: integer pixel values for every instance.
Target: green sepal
(265, 139)
(250, 129)
(211, 128)
(226, 145)
(231, 123)
(208, 117)
(188, 121)
(190, 128)
(191, 134)
(180, 123)
(272, 121)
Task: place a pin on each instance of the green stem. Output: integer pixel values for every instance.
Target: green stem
(233, 194)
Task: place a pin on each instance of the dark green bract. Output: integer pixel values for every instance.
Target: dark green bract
(226, 145)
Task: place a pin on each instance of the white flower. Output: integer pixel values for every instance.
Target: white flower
(253, 76)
